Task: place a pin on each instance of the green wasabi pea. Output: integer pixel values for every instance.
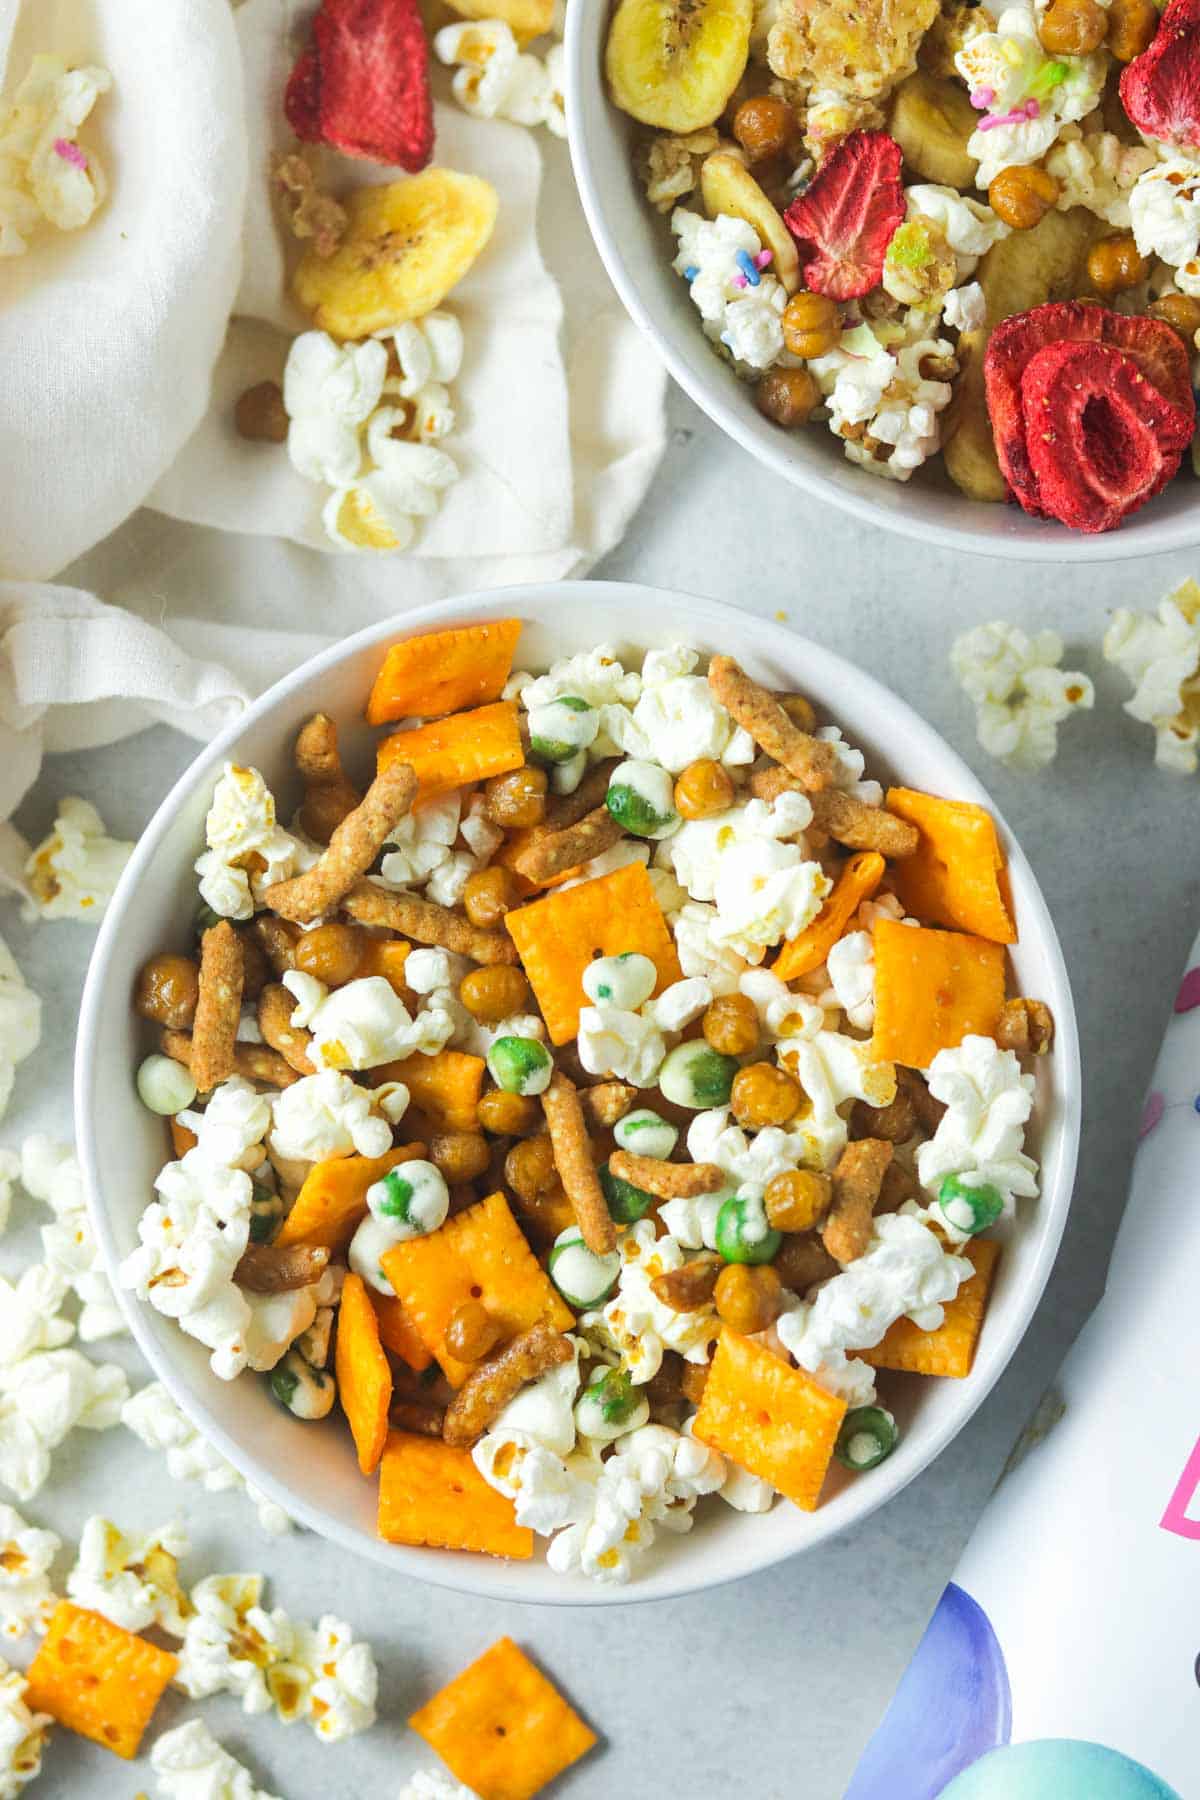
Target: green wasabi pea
(561, 729)
(520, 1065)
(609, 1406)
(695, 1075)
(582, 1278)
(410, 1200)
(867, 1437)
(266, 1213)
(641, 798)
(646, 1133)
(306, 1392)
(743, 1235)
(970, 1209)
(626, 981)
(626, 1203)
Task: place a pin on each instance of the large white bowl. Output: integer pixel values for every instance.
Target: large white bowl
(634, 242)
(310, 1469)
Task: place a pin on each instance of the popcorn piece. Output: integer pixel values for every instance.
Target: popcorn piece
(850, 965)
(133, 1581)
(20, 1031)
(22, 1735)
(965, 308)
(232, 1645)
(431, 1784)
(635, 1323)
(189, 1764)
(988, 1101)
(29, 1311)
(679, 718)
(330, 390)
(1164, 210)
(748, 861)
(700, 953)
(26, 1596)
(494, 79)
(242, 835)
(1021, 694)
(622, 1044)
(45, 1396)
(1097, 171)
(74, 871)
(327, 1115)
(1024, 96)
(50, 1172)
(365, 1023)
(154, 1418)
(343, 1680)
(230, 1130)
(746, 318)
(379, 510)
(420, 843)
(596, 676)
(44, 172)
(1161, 657)
(971, 228)
(887, 385)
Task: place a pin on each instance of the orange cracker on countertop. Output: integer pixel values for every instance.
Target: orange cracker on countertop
(97, 1679)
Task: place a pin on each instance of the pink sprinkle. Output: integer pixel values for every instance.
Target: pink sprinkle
(1152, 1113)
(70, 153)
(763, 259)
(1013, 118)
(740, 281)
(982, 98)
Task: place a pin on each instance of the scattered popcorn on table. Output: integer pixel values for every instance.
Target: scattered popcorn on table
(134, 1581)
(45, 174)
(494, 79)
(74, 871)
(27, 1597)
(189, 1764)
(431, 1784)
(45, 1396)
(1020, 693)
(1160, 654)
(50, 1172)
(20, 1029)
(22, 1735)
(154, 1418)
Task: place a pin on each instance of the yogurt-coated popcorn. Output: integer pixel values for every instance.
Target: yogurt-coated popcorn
(969, 227)
(157, 1422)
(134, 1581)
(988, 1102)
(27, 1597)
(75, 869)
(45, 173)
(1160, 654)
(1021, 694)
(1164, 211)
(242, 835)
(50, 1172)
(739, 300)
(1024, 96)
(20, 1023)
(189, 1764)
(22, 1735)
(495, 79)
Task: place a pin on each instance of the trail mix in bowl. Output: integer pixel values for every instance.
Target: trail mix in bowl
(945, 229)
(591, 1109)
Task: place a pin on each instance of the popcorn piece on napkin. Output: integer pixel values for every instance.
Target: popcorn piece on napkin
(44, 173)
(495, 79)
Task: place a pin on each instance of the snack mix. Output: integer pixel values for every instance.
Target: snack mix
(588, 1112)
(940, 229)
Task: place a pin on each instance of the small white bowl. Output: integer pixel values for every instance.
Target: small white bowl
(635, 245)
(311, 1469)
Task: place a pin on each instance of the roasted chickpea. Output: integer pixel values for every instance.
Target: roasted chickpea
(787, 396)
(1181, 313)
(812, 325)
(1022, 196)
(332, 953)
(1116, 263)
(460, 1155)
(493, 993)
(530, 1169)
(731, 1025)
(507, 1115)
(472, 1332)
(797, 1200)
(489, 894)
(260, 414)
(167, 990)
(1131, 26)
(748, 1296)
(1073, 27)
(765, 126)
(517, 799)
(764, 1095)
(702, 789)
(799, 710)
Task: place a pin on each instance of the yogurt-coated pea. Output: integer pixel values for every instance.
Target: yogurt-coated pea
(581, 1277)
(165, 1086)
(308, 1393)
(565, 777)
(410, 1200)
(609, 1406)
(627, 980)
(368, 1246)
(562, 728)
(641, 798)
(520, 1065)
(694, 1075)
(646, 1133)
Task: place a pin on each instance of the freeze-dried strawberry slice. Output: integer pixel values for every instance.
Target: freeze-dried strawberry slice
(363, 84)
(1160, 89)
(1102, 440)
(844, 221)
(1154, 347)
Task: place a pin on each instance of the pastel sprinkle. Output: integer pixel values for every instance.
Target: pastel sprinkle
(1189, 991)
(1152, 1113)
(70, 153)
(764, 259)
(1030, 110)
(691, 272)
(982, 98)
(749, 268)
(739, 281)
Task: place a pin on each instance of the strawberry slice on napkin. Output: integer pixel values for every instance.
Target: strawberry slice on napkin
(845, 219)
(362, 86)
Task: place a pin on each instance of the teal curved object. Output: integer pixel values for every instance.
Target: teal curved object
(1057, 1769)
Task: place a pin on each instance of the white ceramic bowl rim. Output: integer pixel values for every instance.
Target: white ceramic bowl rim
(910, 509)
(497, 1580)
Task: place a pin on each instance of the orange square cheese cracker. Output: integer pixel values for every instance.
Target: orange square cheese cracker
(502, 1727)
(857, 880)
(364, 1375)
(443, 671)
(769, 1418)
(431, 1493)
(466, 747)
(333, 1200)
(950, 1350)
(558, 937)
(956, 875)
(445, 1087)
(386, 957)
(398, 1334)
(97, 1679)
(480, 1254)
(932, 989)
